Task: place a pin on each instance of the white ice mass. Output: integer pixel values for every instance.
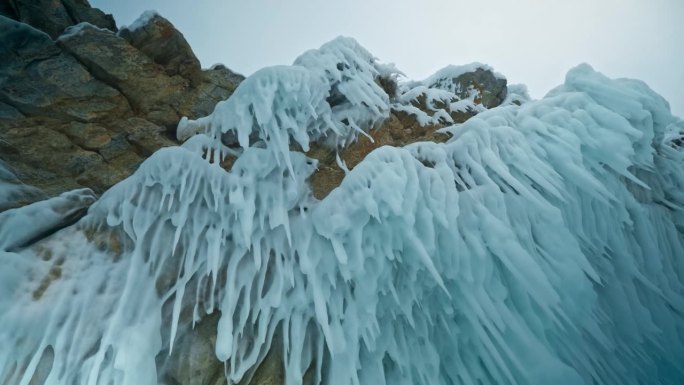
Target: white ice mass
(542, 244)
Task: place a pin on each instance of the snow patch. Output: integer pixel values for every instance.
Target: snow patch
(143, 20)
(79, 29)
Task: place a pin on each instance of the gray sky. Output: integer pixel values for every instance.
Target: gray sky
(533, 42)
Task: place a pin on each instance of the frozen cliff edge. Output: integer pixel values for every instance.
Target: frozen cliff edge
(542, 244)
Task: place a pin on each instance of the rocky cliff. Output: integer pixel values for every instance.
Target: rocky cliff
(82, 105)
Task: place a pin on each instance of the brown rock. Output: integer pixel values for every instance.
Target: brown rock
(54, 16)
(114, 61)
(88, 136)
(37, 79)
(144, 137)
(166, 46)
(46, 158)
(61, 128)
(104, 175)
(219, 83)
(398, 130)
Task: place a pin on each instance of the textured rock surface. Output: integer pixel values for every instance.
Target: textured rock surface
(38, 79)
(166, 46)
(81, 11)
(85, 111)
(114, 61)
(54, 16)
(399, 130)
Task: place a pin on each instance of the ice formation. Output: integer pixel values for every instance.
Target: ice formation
(542, 244)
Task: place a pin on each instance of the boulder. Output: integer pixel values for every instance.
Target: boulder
(38, 79)
(86, 110)
(81, 11)
(49, 16)
(43, 157)
(117, 63)
(57, 156)
(54, 16)
(157, 38)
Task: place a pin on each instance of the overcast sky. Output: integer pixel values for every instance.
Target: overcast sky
(533, 42)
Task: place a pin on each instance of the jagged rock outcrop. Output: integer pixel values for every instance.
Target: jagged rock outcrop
(166, 46)
(85, 110)
(81, 11)
(38, 79)
(54, 16)
(114, 61)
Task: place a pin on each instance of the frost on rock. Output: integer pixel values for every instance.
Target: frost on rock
(541, 245)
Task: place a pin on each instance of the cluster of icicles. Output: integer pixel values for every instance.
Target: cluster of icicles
(542, 244)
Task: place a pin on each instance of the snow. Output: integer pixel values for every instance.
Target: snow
(142, 20)
(78, 29)
(517, 94)
(542, 244)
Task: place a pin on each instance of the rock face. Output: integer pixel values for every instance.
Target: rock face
(54, 16)
(38, 79)
(85, 110)
(166, 46)
(81, 11)
(114, 61)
